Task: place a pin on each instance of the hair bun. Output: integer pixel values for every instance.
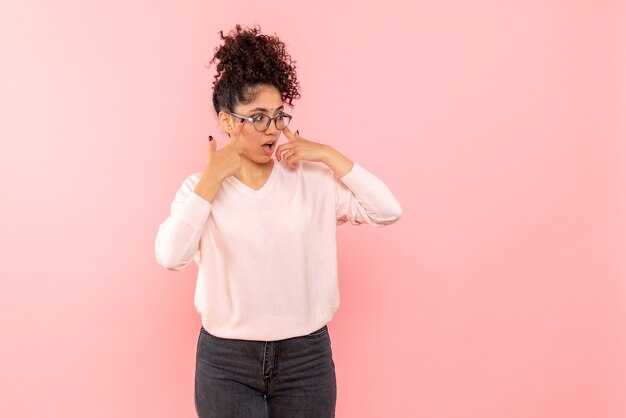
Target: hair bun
(248, 58)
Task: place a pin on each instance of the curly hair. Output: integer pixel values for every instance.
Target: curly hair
(247, 60)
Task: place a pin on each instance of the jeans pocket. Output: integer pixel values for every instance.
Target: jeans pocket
(319, 333)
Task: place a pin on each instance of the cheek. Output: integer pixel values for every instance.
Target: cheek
(250, 134)
(251, 137)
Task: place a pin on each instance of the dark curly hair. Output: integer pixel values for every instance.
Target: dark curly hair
(247, 60)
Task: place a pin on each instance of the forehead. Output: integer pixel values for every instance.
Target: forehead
(264, 98)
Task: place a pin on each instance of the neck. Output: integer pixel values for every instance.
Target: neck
(251, 170)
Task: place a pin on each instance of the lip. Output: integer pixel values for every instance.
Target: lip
(271, 150)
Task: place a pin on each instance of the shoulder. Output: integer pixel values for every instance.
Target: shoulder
(191, 181)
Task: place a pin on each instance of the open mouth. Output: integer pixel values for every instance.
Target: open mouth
(269, 146)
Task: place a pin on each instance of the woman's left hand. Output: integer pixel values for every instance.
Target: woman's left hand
(297, 148)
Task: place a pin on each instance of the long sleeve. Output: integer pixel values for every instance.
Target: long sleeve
(179, 235)
(361, 197)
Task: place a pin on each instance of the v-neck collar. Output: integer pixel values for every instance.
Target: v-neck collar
(249, 190)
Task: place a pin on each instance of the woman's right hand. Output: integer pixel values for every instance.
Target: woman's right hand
(226, 161)
(221, 165)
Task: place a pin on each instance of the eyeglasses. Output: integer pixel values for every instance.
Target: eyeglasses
(262, 122)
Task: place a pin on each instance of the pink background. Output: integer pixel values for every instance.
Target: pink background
(499, 126)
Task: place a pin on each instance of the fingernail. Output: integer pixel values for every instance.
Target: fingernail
(210, 138)
(298, 132)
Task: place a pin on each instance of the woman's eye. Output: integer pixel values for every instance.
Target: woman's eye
(257, 117)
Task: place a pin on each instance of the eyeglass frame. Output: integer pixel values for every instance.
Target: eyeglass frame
(251, 119)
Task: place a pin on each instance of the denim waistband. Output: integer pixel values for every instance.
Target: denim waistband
(315, 333)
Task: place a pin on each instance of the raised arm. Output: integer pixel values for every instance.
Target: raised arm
(360, 196)
(178, 239)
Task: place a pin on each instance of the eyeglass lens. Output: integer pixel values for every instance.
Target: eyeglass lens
(263, 122)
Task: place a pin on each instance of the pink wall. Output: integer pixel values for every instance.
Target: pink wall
(498, 125)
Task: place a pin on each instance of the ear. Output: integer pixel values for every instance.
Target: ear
(226, 121)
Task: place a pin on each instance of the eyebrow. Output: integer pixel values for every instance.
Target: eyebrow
(262, 109)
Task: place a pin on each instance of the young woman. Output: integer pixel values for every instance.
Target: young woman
(260, 222)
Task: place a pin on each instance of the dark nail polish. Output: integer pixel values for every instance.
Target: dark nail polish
(298, 132)
(210, 138)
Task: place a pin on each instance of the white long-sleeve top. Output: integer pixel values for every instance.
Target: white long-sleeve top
(267, 258)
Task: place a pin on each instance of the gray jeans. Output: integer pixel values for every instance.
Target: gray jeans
(294, 377)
